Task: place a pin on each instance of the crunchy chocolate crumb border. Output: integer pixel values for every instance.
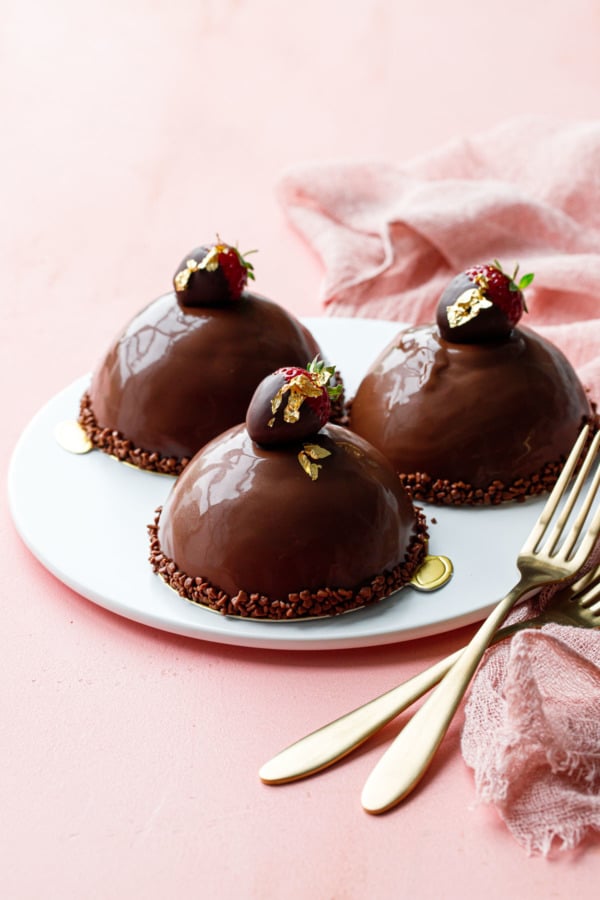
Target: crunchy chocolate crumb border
(441, 492)
(116, 444)
(424, 488)
(304, 604)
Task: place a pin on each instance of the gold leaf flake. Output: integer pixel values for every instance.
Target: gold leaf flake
(299, 388)
(211, 261)
(311, 468)
(182, 278)
(467, 307)
(316, 452)
(305, 385)
(278, 398)
(309, 453)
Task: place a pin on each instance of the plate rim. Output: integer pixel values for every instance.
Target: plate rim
(240, 632)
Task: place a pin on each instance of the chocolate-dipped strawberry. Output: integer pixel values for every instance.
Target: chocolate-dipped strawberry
(212, 275)
(482, 304)
(291, 404)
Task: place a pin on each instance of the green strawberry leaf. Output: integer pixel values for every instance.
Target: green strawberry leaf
(247, 265)
(317, 367)
(526, 281)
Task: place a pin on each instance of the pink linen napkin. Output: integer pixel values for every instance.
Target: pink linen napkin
(390, 238)
(532, 735)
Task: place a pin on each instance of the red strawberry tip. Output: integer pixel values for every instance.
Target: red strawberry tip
(243, 261)
(515, 286)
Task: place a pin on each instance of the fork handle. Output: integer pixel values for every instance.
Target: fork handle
(330, 743)
(405, 762)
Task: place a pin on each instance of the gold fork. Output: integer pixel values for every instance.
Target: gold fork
(405, 762)
(578, 605)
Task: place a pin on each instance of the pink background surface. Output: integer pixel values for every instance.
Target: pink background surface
(131, 132)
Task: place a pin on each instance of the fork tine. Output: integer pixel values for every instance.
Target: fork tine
(585, 582)
(590, 537)
(581, 519)
(595, 608)
(538, 530)
(590, 596)
(578, 558)
(570, 502)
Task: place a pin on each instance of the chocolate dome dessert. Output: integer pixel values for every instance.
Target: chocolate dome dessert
(185, 367)
(311, 521)
(473, 409)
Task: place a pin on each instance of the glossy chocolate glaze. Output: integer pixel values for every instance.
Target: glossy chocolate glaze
(468, 412)
(249, 518)
(180, 375)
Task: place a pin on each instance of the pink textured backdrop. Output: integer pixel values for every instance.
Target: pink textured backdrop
(132, 130)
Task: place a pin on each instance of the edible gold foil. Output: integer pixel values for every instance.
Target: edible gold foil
(182, 278)
(299, 388)
(316, 452)
(467, 307)
(309, 453)
(211, 261)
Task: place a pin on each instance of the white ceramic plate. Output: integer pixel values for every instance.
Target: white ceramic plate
(85, 517)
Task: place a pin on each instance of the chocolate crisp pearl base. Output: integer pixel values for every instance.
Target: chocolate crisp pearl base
(472, 424)
(178, 376)
(247, 533)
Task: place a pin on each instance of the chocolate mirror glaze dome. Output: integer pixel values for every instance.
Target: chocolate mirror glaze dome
(471, 423)
(181, 374)
(246, 530)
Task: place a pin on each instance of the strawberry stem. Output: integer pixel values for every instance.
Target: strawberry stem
(324, 373)
(513, 284)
